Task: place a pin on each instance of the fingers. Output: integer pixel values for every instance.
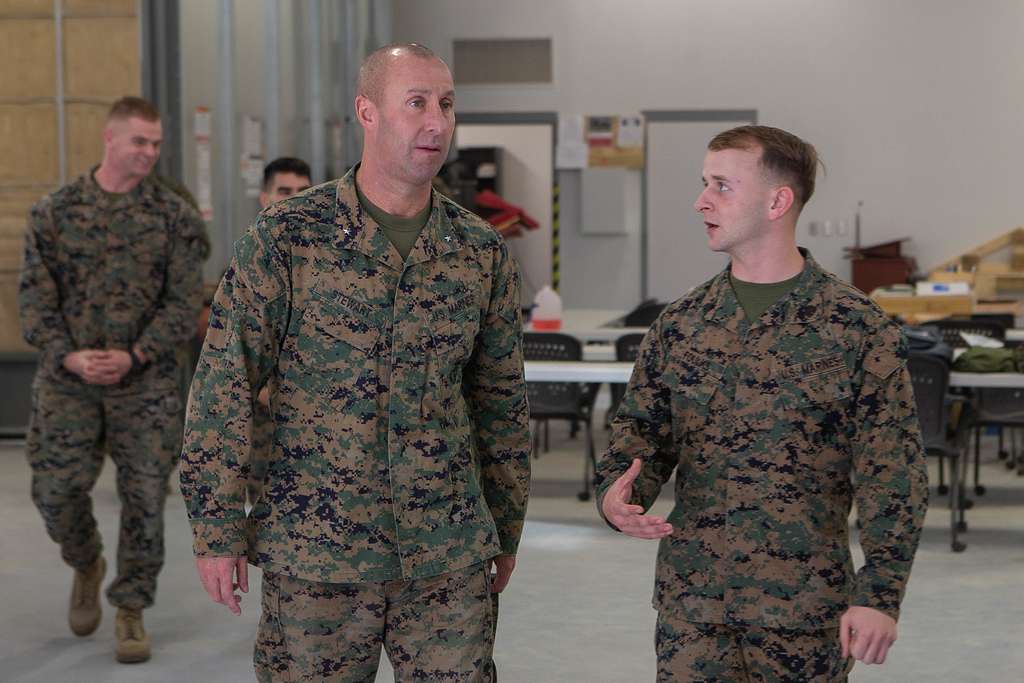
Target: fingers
(216, 576)
(631, 520)
(646, 528)
(876, 653)
(862, 642)
(242, 570)
(844, 636)
(503, 567)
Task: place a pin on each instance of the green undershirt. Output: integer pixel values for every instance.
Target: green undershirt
(757, 297)
(401, 231)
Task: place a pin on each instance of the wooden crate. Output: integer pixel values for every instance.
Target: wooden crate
(913, 305)
(1014, 307)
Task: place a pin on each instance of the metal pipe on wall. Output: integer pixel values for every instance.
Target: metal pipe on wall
(62, 154)
(353, 58)
(272, 80)
(224, 141)
(317, 163)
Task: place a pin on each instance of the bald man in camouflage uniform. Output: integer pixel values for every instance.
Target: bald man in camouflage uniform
(399, 468)
(777, 395)
(110, 288)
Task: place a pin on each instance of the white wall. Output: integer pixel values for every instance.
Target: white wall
(914, 105)
(525, 182)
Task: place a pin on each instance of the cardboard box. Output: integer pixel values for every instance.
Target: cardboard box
(930, 288)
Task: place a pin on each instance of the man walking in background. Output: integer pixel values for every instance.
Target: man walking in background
(110, 287)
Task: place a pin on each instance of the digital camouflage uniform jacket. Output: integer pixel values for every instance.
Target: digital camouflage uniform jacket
(401, 443)
(773, 429)
(110, 271)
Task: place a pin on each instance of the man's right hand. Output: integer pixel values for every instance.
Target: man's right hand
(94, 367)
(630, 519)
(218, 574)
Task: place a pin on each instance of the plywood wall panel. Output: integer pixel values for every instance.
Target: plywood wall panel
(27, 58)
(28, 144)
(32, 8)
(11, 252)
(14, 206)
(84, 131)
(99, 7)
(101, 57)
(10, 325)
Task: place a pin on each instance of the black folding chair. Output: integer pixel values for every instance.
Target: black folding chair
(627, 348)
(930, 376)
(644, 314)
(573, 401)
(991, 405)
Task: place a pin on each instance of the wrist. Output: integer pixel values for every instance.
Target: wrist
(137, 364)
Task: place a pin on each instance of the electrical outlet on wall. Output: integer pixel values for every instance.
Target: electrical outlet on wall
(812, 228)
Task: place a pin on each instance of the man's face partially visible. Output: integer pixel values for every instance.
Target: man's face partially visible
(416, 119)
(283, 186)
(735, 199)
(132, 146)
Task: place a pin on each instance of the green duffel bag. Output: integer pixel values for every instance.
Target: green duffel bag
(979, 359)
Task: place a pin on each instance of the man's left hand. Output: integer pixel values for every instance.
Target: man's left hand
(114, 364)
(866, 634)
(503, 567)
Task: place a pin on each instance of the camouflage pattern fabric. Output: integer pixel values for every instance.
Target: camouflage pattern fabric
(401, 441)
(259, 456)
(773, 428)
(715, 653)
(108, 272)
(434, 629)
(65, 450)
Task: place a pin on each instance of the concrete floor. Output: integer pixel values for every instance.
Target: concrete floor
(578, 607)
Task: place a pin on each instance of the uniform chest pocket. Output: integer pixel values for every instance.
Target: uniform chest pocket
(824, 390)
(691, 400)
(453, 331)
(337, 334)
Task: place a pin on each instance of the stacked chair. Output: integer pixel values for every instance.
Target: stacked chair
(572, 401)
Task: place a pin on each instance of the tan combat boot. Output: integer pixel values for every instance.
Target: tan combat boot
(84, 613)
(132, 640)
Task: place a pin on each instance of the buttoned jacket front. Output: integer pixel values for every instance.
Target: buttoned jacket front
(105, 271)
(401, 446)
(772, 429)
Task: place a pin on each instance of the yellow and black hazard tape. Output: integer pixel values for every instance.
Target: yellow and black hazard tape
(555, 263)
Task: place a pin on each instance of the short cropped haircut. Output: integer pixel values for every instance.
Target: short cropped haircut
(284, 165)
(374, 68)
(784, 156)
(133, 108)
